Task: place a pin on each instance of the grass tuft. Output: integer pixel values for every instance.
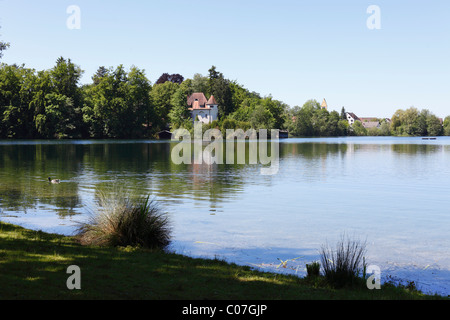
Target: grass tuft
(121, 220)
(345, 265)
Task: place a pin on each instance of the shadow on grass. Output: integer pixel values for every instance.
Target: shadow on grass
(33, 265)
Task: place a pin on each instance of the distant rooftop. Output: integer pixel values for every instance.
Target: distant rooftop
(212, 101)
(198, 100)
(197, 96)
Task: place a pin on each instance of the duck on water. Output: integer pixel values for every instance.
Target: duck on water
(54, 181)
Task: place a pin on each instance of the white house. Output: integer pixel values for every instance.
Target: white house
(351, 118)
(203, 110)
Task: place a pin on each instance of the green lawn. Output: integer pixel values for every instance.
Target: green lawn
(33, 265)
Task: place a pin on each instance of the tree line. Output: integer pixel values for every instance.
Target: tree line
(123, 104)
(311, 120)
(119, 103)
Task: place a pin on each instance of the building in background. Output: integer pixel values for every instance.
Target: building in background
(351, 118)
(202, 109)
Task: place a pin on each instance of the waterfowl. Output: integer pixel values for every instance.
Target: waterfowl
(54, 181)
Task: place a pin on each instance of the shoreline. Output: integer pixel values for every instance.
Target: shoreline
(36, 258)
(397, 275)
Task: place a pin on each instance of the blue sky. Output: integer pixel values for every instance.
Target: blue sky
(293, 50)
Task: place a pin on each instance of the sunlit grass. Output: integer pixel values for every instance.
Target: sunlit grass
(33, 265)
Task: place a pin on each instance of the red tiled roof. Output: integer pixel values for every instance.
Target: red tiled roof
(196, 106)
(198, 96)
(212, 101)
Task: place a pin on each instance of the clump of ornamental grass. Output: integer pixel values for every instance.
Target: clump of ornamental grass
(344, 266)
(122, 220)
(313, 270)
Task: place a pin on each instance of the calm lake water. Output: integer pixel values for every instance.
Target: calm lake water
(393, 193)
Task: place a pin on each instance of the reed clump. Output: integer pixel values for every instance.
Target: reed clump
(122, 220)
(345, 265)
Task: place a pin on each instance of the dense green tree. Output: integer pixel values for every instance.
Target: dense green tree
(18, 90)
(219, 87)
(332, 127)
(446, 128)
(277, 109)
(421, 123)
(262, 118)
(311, 120)
(320, 122)
(199, 83)
(213, 76)
(65, 77)
(303, 123)
(229, 123)
(140, 103)
(119, 105)
(343, 127)
(396, 121)
(40, 105)
(55, 122)
(161, 96)
(238, 94)
(179, 114)
(343, 114)
(10, 104)
(245, 110)
(358, 129)
(412, 122)
(385, 129)
(103, 103)
(101, 72)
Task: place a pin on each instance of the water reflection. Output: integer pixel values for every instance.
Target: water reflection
(414, 149)
(146, 166)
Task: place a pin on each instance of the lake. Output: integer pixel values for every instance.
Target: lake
(393, 193)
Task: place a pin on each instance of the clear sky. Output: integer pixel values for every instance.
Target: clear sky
(293, 50)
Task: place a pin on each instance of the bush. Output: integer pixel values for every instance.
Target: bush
(244, 125)
(123, 221)
(214, 125)
(345, 265)
(228, 124)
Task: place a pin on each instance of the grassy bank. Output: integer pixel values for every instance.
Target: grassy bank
(33, 265)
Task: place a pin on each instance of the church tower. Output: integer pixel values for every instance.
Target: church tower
(324, 105)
